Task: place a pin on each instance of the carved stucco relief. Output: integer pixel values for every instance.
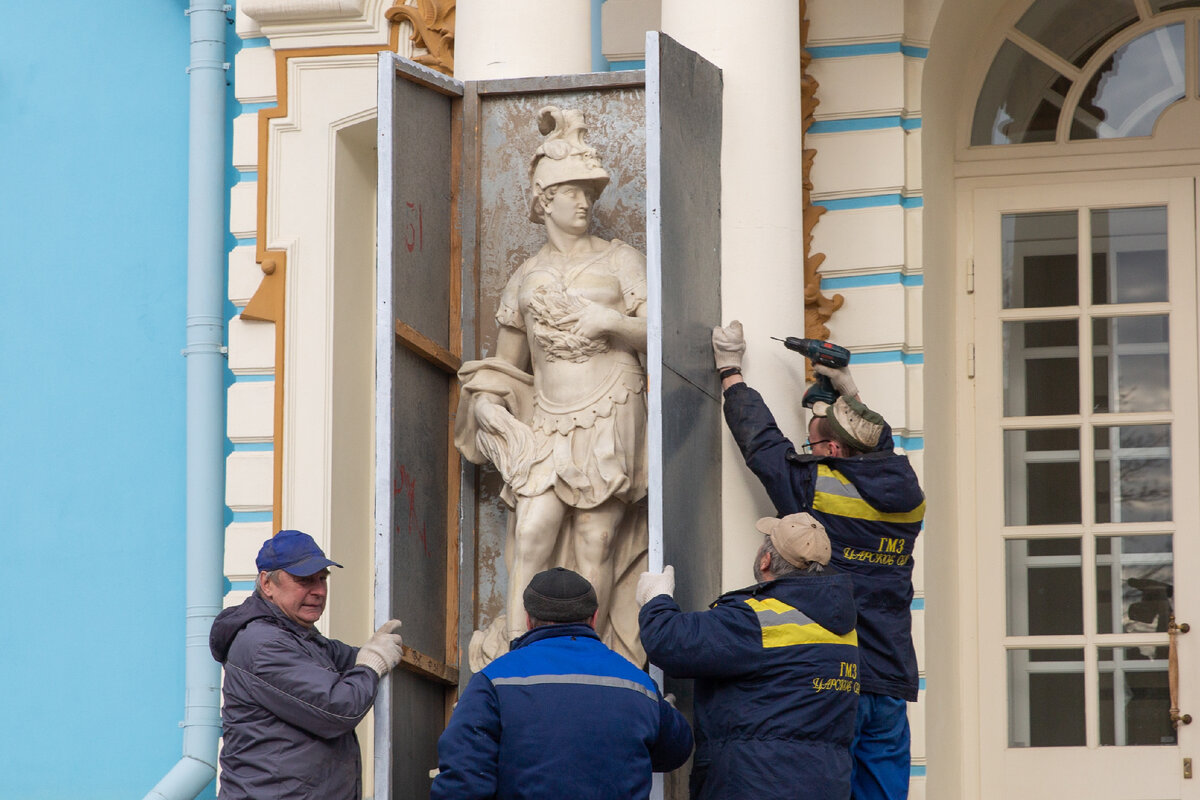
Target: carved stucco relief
(818, 308)
(433, 31)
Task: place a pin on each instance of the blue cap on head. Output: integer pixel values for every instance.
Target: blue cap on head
(294, 552)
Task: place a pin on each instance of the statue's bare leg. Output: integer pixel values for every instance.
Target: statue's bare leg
(594, 531)
(539, 519)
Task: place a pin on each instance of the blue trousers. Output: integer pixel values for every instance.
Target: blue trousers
(881, 749)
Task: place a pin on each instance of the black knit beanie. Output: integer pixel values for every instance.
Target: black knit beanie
(560, 595)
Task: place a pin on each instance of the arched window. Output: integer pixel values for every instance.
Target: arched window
(1078, 70)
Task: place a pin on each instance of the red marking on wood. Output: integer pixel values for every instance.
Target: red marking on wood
(416, 233)
(408, 487)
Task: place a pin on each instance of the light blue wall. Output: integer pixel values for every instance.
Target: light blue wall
(93, 142)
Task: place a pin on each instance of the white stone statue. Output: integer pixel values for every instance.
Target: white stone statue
(560, 409)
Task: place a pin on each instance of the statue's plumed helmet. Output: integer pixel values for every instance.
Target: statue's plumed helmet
(563, 157)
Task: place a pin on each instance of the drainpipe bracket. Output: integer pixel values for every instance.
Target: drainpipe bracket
(206, 65)
(221, 350)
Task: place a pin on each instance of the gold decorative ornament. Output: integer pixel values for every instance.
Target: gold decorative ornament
(433, 29)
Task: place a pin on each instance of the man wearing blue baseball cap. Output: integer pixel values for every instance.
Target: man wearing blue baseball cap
(292, 696)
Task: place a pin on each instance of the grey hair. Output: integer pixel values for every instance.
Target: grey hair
(272, 576)
(780, 566)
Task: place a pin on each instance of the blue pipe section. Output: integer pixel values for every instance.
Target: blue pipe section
(205, 354)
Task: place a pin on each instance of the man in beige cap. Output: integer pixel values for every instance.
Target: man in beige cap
(849, 477)
(776, 670)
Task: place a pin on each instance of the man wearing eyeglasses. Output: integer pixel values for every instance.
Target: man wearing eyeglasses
(848, 476)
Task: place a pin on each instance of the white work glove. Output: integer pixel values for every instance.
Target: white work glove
(652, 584)
(840, 377)
(728, 345)
(383, 650)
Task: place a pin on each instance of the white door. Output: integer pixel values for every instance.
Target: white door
(1088, 487)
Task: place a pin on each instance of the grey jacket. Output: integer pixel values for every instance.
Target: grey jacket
(292, 699)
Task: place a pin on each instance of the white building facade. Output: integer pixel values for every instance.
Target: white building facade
(1010, 219)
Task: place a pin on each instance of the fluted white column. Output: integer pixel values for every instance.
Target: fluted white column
(757, 47)
(521, 38)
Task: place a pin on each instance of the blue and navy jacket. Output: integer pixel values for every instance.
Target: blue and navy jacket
(871, 506)
(776, 677)
(559, 716)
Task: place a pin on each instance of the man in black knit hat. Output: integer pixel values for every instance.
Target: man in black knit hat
(559, 715)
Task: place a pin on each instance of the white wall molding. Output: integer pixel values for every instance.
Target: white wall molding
(319, 23)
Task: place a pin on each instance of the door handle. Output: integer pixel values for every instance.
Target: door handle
(1174, 631)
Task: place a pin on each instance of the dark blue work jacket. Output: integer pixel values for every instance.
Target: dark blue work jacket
(775, 668)
(559, 716)
(871, 506)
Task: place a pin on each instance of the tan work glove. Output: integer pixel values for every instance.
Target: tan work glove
(652, 584)
(728, 345)
(840, 377)
(383, 650)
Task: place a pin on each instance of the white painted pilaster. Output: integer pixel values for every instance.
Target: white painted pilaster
(762, 280)
(519, 38)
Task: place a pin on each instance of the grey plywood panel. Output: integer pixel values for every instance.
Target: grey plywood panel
(684, 165)
(691, 485)
(419, 707)
(683, 152)
(416, 112)
(419, 467)
(690, 168)
(421, 208)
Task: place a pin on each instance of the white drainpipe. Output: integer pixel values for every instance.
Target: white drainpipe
(205, 400)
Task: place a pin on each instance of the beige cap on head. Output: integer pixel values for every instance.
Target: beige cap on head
(853, 422)
(799, 538)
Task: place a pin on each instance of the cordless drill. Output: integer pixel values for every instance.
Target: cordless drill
(818, 352)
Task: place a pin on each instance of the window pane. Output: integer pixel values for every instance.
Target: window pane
(1045, 586)
(1041, 368)
(1126, 95)
(1133, 473)
(1129, 255)
(1041, 477)
(1139, 572)
(1020, 100)
(1075, 28)
(1046, 698)
(1135, 697)
(1130, 364)
(1040, 259)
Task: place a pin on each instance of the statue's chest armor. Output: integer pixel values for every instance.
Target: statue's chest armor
(593, 284)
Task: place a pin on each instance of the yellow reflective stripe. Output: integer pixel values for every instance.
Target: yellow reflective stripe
(768, 604)
(858, 508)
(790, 634)
(787, 634)
(826, 471)
(835, 495)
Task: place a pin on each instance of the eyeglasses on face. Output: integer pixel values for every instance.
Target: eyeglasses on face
(807, 447)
